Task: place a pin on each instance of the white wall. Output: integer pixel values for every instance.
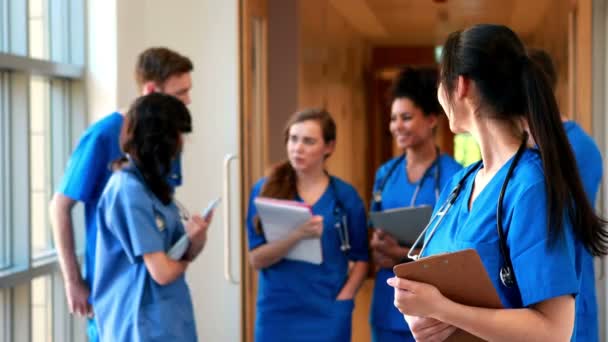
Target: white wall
(101, 58)
(207, 32)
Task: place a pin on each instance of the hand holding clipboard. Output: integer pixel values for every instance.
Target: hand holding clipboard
(460, 277)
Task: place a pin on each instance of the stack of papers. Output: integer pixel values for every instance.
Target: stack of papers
(279, 218)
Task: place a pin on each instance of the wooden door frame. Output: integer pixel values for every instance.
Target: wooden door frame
(252, 129)
(580, 63)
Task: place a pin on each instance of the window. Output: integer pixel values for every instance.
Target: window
(40, 155)
(3, 315)
(466, 150)
(42, 113)
(4, 174)
(42, 309)
(38, 24)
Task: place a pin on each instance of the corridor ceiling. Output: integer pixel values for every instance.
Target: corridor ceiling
(427, 22)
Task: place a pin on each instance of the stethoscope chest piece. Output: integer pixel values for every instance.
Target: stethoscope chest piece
(506, 277)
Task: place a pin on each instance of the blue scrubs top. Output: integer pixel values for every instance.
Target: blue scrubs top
(129, 304)
(297, 300)
(88, 171)
(543, 269)
(589, 161)
(397, 193)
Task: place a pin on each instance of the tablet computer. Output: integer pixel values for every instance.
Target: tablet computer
(404, 224)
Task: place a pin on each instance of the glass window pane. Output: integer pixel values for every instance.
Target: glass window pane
(3, 26)
(466, 150)
(42, 309)
(4, 322)
(4, 173)
(40, 152)
(38, 29)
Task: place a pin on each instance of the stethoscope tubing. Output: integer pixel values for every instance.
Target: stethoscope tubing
(507, 276)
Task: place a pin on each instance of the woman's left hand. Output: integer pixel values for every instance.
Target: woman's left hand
(416, 299)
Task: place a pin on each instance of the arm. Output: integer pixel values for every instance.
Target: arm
(355, 279)
(163, 269)
(77, 291)
(549, 320)
(386, 251)
(270, 253)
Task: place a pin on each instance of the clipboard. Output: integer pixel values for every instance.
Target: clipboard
(404, 224)
(279, 218)
(460, 276)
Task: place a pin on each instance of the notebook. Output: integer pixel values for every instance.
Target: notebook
(404, 224)
(279, 218)
(459, 276)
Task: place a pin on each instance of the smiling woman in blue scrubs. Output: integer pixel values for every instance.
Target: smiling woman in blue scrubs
(139, 293)
(589, 162)
(490, 88)
(412, 179)
(301, 301)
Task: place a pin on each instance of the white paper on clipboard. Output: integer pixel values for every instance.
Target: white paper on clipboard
(279, 218)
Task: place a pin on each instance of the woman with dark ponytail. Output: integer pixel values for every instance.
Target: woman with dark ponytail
(490, 88)
(302, 301)
(139, 292)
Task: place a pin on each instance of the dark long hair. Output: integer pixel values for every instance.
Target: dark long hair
(151, 135)
(511, 86)
(420, 86)
(281, 182)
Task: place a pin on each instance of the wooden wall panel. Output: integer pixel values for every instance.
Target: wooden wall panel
(333, 61)
(565, 32)
(552, 36)
(332, 69)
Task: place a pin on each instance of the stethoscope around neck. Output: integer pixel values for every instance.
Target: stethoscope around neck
(377, 195)
(507, 276)
(340, 218)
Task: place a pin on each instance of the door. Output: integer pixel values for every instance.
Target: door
(254, 81)
(207, 32)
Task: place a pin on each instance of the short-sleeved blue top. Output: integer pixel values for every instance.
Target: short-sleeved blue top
(88, 171)
(398, 192)
(544, 268)
(297, 300)
(129, 304)
(589, 161)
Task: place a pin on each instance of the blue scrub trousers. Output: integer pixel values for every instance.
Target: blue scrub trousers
(382, 335)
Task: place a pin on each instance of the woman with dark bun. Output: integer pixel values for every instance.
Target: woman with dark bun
(414, 178)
